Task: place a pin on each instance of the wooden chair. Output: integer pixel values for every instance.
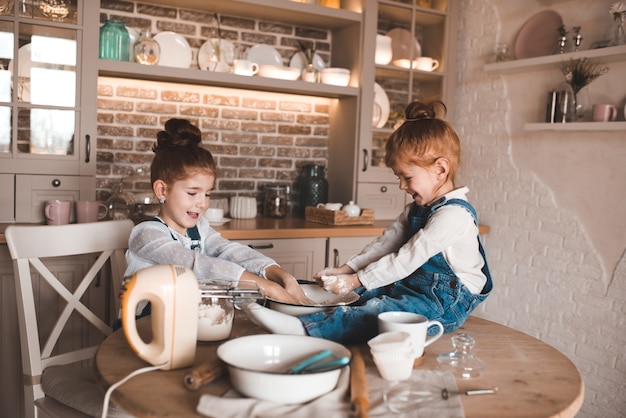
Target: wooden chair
(64, 310)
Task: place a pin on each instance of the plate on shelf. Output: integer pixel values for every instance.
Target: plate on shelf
(403, 45)
(299, 61)
(207, 55)
(381, 107)
(175, 50)
(264, 55)
(539, 35)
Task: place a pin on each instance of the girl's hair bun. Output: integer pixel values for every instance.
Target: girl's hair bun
(178, 133)
(422, 111)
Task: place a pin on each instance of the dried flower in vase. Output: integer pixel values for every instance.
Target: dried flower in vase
(579, 73)
(618, 11)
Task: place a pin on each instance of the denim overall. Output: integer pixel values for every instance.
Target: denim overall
(433, 290)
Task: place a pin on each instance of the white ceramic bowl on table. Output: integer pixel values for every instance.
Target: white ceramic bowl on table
(323, 301)
(335, 76)
(258, 366)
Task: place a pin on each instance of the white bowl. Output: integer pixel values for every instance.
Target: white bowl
(278, 71)
(323, 301)
(258, 366)
(335, 76)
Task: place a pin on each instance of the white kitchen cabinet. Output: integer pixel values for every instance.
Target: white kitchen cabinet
(340, 249)
(302, 257)
(48, 111)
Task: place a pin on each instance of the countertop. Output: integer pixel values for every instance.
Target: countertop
(290, 227)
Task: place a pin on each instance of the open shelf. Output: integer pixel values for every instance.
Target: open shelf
(576, 126)
(604, 55)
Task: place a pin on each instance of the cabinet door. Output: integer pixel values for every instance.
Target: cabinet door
(302, 257)
(32, 191)
(7, 185)
(386, 199)
(340, 249)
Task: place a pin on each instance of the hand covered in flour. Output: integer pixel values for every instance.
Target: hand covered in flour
(338, 280)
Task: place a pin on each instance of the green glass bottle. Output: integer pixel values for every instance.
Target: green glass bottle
(114, 41)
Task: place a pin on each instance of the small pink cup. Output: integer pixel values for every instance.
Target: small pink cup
(58, 212)
(90, 211)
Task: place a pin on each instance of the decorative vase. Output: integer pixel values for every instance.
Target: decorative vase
(313, 186)
(310, 74)
(147, 50)
(581, 104)
(619, 36)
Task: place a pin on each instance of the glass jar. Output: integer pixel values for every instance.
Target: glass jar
(313, 187)
(147, 50)
(215, 312)
(114, 41)
(462, 361)
(276, 202)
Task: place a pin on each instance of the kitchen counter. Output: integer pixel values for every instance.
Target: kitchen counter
(291, 227)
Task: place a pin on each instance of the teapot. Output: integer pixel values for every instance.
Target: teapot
(174, 294)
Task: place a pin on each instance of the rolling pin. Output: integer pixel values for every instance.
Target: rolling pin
(204, 374)
(358, 384)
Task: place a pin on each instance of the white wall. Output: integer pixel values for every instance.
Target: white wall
(555, 201)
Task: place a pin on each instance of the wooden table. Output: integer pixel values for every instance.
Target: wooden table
(534, 379)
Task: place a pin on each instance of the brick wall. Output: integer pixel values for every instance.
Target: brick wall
(257, 138)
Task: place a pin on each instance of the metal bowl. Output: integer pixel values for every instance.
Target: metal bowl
(323, 301)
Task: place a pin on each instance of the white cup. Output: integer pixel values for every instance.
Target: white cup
(242, 207)
(383, 53)
(245, 67)
(330, 206)
(214, 214)
(604, 112)
(425, 64)
(415, 324)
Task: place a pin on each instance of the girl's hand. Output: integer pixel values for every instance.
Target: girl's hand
(339, 284)
(333, 271)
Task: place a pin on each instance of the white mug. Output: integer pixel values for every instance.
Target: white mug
(245, 67)
(214, 214)
(426, 64)
(329, 206)
(415, 324)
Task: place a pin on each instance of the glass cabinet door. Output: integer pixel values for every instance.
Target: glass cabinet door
(39, 87)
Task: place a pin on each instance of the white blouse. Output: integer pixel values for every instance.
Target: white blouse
(450, 230)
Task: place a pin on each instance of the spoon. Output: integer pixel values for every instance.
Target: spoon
(445, 393)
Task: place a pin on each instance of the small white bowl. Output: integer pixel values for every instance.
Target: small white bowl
(335, 76)
(279, 71)
(258, 366)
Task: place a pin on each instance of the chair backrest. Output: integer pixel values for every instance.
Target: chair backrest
(59, 271)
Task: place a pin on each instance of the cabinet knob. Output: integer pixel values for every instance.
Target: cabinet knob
(56, 183)
(383, 189)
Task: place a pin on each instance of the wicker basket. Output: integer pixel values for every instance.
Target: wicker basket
(338, 217)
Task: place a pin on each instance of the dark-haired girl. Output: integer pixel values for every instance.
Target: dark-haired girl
(429, 260)
(183, 177)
